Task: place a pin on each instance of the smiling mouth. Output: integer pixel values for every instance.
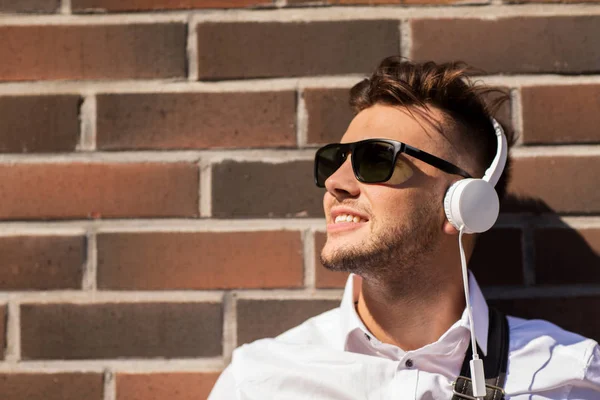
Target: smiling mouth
(348, 218)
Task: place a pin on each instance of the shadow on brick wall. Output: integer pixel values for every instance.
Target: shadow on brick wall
(562, 266)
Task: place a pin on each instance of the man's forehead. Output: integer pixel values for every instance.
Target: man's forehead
(417, 127)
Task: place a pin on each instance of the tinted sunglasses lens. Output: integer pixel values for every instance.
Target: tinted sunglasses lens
(327, 161)
(374, 161)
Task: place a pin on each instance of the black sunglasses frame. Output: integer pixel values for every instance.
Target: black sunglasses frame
(399, 147)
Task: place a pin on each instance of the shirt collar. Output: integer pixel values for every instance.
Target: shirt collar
(350, 321)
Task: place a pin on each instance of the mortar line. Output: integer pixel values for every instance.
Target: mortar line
(313, 14)
(405, 29)
(308, 251)
(13, 332)
(192, 49)
(229, 325)
(65, 7)
(267, 156)
(516, 105)
(79, 227)
(158, 86)
(205, 364)
(90, 271)
(301, 120)
(110, 385)
(205, 188)
(88, 122)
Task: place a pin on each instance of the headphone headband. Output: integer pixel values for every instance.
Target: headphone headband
(492, 174)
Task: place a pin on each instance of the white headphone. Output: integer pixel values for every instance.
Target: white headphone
(473, 204)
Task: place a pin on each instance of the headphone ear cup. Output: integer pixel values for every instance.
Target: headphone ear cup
(472, 203)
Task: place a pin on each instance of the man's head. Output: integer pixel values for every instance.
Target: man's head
(401, 223)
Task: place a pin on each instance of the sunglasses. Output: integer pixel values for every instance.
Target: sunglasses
(373, 160)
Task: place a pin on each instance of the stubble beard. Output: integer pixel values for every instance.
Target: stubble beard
(396, 254)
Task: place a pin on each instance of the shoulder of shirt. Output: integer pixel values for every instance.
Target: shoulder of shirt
(537, 345)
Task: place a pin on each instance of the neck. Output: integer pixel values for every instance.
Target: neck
(414, 314)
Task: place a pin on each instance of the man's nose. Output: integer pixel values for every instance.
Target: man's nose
(342, 183)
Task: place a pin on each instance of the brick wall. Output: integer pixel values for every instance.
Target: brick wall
(156, 198)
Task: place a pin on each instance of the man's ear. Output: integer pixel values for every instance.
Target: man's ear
(448, 229)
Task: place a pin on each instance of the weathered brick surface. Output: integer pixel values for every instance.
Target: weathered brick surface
(566, 44)
(325, 278)
(251, 49)
(497, 258)
(196, 120)
(143, 5)
(207, 260)
(567, 256)
(268, 318)
(3, 319)
(566, 184)
(81, 190)
(161, 386)
(270, 190)
(41, 262)
(39, 123)
(51, 386)
(120, 330)
(577, 314)
(329, 114)
(72, 52)
(561, 114)
(29, 6)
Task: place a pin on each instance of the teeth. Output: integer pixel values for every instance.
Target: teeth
(347, 218)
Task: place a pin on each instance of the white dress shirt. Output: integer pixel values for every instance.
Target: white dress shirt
(334, 356)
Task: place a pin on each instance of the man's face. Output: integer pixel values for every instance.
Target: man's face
(394, 223)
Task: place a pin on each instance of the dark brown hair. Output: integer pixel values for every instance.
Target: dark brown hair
(398, 82)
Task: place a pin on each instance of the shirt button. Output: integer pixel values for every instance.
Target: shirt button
(409, 363)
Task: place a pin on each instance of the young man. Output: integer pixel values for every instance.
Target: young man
(403, 329)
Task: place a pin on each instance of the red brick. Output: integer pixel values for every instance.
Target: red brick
(82, 190)
(196, 120)
(230, 50)
(270, 190)
(567, 256)
(404, 2)
(33, 124)
(161, 386)
(3, 318)
(549, 1)
(566, 44)
(143, 5)
(497, 258)
(561, 114)
(563, 184)
(42, 262)
(121, 330)
(29, 6)
(329, 114)
(51, 386)
(325, 278)
(577, 314)
(203, 260)
(259, 319)
(142, 51)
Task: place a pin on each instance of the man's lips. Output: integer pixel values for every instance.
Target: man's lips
(347, 218)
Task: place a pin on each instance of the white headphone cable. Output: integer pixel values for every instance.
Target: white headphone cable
(477, 373)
